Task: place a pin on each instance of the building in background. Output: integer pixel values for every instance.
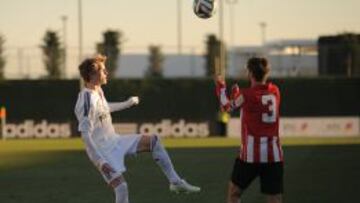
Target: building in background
(288, 58)
(175, 66)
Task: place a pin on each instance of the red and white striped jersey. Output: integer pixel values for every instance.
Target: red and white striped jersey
(260, 124)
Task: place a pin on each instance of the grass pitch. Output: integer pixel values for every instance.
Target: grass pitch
(59, 171)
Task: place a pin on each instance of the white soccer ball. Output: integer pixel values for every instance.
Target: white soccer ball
(204, 8)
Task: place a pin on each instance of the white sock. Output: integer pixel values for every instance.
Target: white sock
(162, 158)
(121, 193)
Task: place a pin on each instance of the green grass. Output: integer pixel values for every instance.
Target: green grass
(59, 171)
(76, 143)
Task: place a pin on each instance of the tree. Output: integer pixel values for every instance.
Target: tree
(110, 48)
(2, 58)
(212, 55)
(156, 59)
(52, 54)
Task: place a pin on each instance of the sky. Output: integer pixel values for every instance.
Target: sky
(23, 24)
(145, 22)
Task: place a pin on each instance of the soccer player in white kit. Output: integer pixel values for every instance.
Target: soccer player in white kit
(107, 149)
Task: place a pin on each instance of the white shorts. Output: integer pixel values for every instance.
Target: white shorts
(126, 145)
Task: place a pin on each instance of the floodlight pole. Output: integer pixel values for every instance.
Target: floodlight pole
(221, 38)
(80, 39)
(263, 32)
(80, 30)
(232, 20)
(179, 27)
(64, 20)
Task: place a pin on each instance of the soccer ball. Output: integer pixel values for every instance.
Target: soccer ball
(204, 8)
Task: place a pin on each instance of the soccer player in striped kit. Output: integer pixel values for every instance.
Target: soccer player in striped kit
(260, 154)
(107, 149)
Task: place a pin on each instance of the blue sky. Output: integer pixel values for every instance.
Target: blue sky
(145, 22)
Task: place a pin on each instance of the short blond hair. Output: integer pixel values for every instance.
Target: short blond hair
(91, 65)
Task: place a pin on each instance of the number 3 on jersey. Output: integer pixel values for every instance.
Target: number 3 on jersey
(270, 101)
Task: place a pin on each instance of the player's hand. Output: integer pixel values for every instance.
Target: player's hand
(107, 170)
(235, 92)
(220, 84)
(133, 101)
(220, 79)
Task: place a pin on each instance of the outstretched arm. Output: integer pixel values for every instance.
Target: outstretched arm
(118, 106)
(227, 103)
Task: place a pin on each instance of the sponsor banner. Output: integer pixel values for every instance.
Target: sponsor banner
(309, 126)
(234, 127)
(126, 128)
(165, 128)
(31, 129)
(333, 126)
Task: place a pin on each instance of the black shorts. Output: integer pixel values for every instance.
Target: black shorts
(271, 176)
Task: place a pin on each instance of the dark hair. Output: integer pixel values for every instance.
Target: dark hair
(90, 65)
(258, 67)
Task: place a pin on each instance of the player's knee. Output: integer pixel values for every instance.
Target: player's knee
(154, 141)
(234, 191)
(274, 198)
(233, 196)
(117, 181)
(155, 138)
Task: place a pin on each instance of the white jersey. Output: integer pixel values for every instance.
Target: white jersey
(95, 123)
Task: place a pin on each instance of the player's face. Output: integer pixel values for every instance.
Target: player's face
(100, 76)
(103, 73)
